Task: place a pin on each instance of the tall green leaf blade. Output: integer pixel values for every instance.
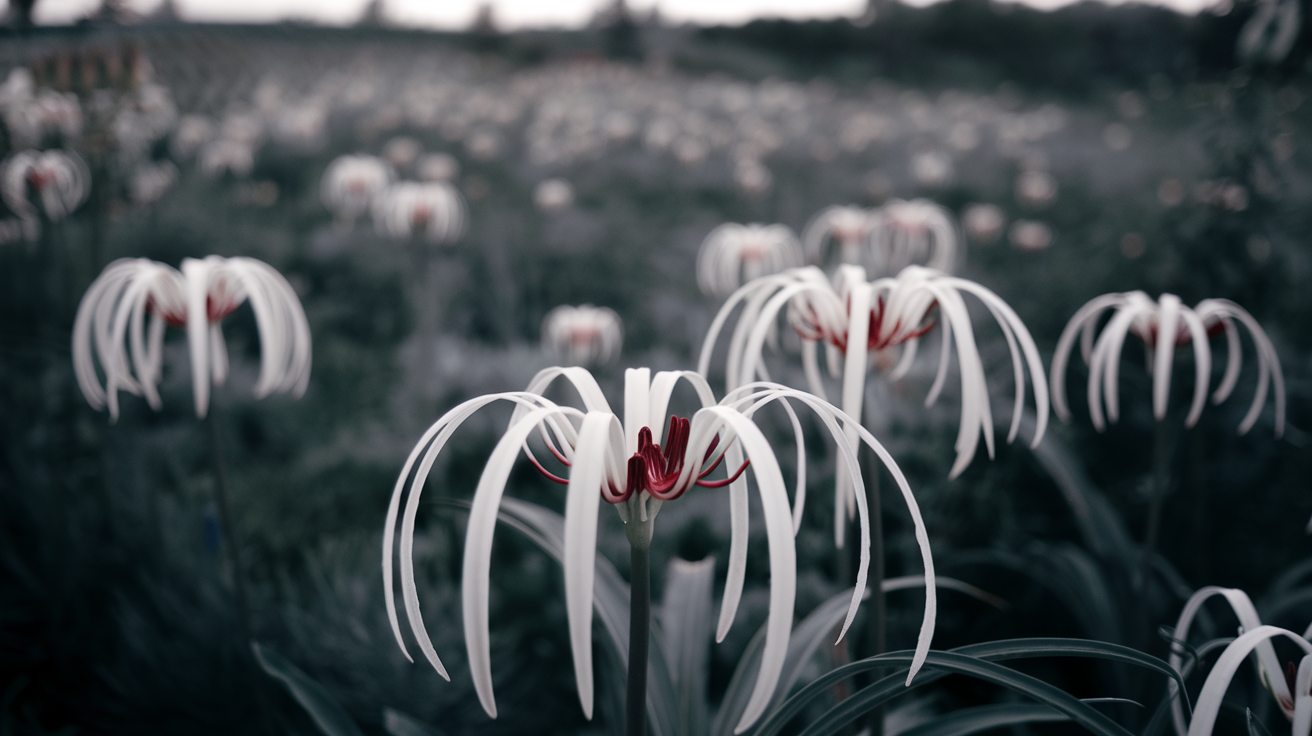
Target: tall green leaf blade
(397, 723)
(740, 685)
(988, 651)
(687, 625)
(873, 696)
(323, 708)
(1255, 727)
(982, 718)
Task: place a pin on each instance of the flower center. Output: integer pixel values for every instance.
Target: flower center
(1148, 333)
(657, 470)
(878, 338)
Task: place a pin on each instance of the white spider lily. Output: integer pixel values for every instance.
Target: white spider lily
(433, 208)
(115, 308)
(733, 254)
(350, 184)
(1164, 325)
(618, 460)
(908, 233)
(849, 226)
(583, 335)
(1255, 638)
(60, 180)
(856, 319)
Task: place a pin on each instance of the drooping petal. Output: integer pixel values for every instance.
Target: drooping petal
(1218, 680)
(600, 430)
(1202, 363)
(1081, 324)
(1168, 314)
(197, 275)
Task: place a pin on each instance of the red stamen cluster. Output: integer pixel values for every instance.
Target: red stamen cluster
(215, 310)
(1182, 334)
(875, 339)
(654, 470)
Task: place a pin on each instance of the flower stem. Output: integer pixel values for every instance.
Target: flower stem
(639, 534)
(1163, 451)
(226, 521)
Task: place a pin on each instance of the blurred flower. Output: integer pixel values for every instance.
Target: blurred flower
(1270, 33)
(437, 167)
(629, 465)
(408, 208)
(984, 222)
(350, 184)
(849, 226)
(226, 155)
(1030, 235)
(931, 168)
(60, 181)
(1036, 188)
(752, 177)
(402, 151)
(906, 233)
(856, 320)
(115, 307)
(193, 131)
(553, 195)
(151, 181)
(1164, 325)
(732, 254)
(583, 335)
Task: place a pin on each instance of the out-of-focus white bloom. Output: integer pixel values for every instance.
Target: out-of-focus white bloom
(60, 181)
(752, 177)
(984, 222)
(227, 156)
(437, 167)
(351, 183)
(553, 195)
(855, 319)
(303, 127)
(931, 168)
(1036, 188)
(193, 131)
(918, 232)
(483, 145)
(112, 325)
(733, 254)
(1270, 33)
(151, 181)
(584, 335)
(402, 151)
(408, 208)
(243, 127)
(629, 464)
(1030, 235)
(1164, 325)
(849, 226)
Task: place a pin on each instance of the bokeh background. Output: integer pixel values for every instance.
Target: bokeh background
(1128, 147)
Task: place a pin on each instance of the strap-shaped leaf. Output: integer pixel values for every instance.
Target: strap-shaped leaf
(967, 721)
(988, 651)
(397, 723)
(323, 708)
(687, 625)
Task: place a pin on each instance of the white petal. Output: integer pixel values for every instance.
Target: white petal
(1218, 680)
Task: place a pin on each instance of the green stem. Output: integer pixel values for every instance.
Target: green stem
(1163, 450)
(226, 522)
(639, 534)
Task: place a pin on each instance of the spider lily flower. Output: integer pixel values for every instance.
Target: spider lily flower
(849, 226)
(433, 208)
(856, 319)
(116, 306)
(625, 463)
(350, 184)
(60, 180)
(908, 232)
(733, 254)
(1292, 689)
(583, 335)
(1164, 325)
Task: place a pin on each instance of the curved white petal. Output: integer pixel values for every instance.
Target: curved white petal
(1218, 680)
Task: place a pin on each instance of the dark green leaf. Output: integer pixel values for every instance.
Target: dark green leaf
(397, 723)
(327, 713)
(982, 718)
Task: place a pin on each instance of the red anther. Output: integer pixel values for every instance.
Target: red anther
(726, 481)
(714, 442)
(175, 320)
(1291, 675)
(549, 475)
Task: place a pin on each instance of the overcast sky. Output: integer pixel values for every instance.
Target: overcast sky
(509, 14)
